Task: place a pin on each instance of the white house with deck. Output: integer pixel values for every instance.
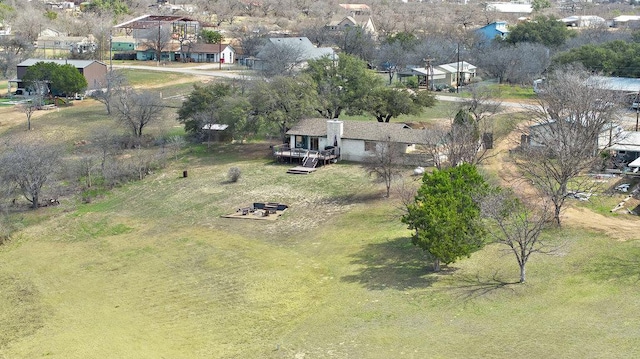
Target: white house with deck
(351, 140)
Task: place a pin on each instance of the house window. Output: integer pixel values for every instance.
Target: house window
(369, 146)
(314, 143)
(299, 142)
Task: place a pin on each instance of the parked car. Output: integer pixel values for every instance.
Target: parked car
(623, 187)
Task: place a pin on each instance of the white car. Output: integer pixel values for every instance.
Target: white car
(623, 187)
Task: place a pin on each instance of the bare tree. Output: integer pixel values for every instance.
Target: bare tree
(29, 21)
(13, 49)
(516, 225)
(471, 132)
(86, 167)
(316, 31)
(436, 147)
(384, 162)
(158, 39)
(28, 108)
(114, 83)
(104, 141)
(252, 40)
(467, 138)
(29, 163)
(356, 41)
(573, 112)
(281, 59)
(175, 144)
(135, 110)
(438, 48)
(512, 63)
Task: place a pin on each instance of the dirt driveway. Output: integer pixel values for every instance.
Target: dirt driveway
(622, 227)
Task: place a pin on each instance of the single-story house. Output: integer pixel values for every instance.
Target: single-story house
(350, 21)
(493, 30)
(123, 43)
(584, 21)
(509, 7)
(356, 9)
(431, 76)
(93, 71)
(611, 137)
(354, 140)
(631, 21)
(626, 147)
(458, 70)
(199, 52)
(305, 50)
(146, 53)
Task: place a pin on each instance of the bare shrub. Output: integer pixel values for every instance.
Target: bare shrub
(234, 174)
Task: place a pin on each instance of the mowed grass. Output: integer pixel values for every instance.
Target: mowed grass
(139, 77)
(441, 110)
(152, 270)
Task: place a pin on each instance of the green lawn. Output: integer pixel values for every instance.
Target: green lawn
(150, 78)
(441, 110)
(152, 270)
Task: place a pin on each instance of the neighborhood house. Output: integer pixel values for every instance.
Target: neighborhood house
(93, 71)
(351, 140)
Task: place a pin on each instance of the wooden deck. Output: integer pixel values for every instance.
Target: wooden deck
(301, 170)
(285, 154)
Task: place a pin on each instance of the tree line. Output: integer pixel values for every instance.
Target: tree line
(326, 88)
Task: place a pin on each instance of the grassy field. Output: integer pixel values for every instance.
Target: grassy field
(151, 270)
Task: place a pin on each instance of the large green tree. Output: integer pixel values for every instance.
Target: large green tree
(281, 102)
(117, 7)
(386, 103)
(62, 79)
(342, 85)
(445, 215)
(211, 36)
(202, 99)
(543, 30)
(615, 58)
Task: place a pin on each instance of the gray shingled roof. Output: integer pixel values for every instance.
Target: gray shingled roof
(362, 130)
(79, 64)
(308, 51)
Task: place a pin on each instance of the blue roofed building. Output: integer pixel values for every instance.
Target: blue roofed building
(493, 30)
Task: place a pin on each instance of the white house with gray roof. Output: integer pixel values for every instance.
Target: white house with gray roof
(354, 140)
(301, 47)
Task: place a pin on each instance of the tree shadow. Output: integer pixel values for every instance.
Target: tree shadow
(358, 197)
(612, 268)
(394, 264)
(468, 287)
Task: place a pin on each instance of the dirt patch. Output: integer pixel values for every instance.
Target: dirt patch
(620, 228)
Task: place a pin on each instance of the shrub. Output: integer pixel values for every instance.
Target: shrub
(234, 174)
(412, 82)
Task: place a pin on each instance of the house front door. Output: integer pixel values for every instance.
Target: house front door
(314, 143)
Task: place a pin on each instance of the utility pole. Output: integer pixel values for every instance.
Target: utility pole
(458, 70)
(637, 103)
(429, 69)
(110, 51)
